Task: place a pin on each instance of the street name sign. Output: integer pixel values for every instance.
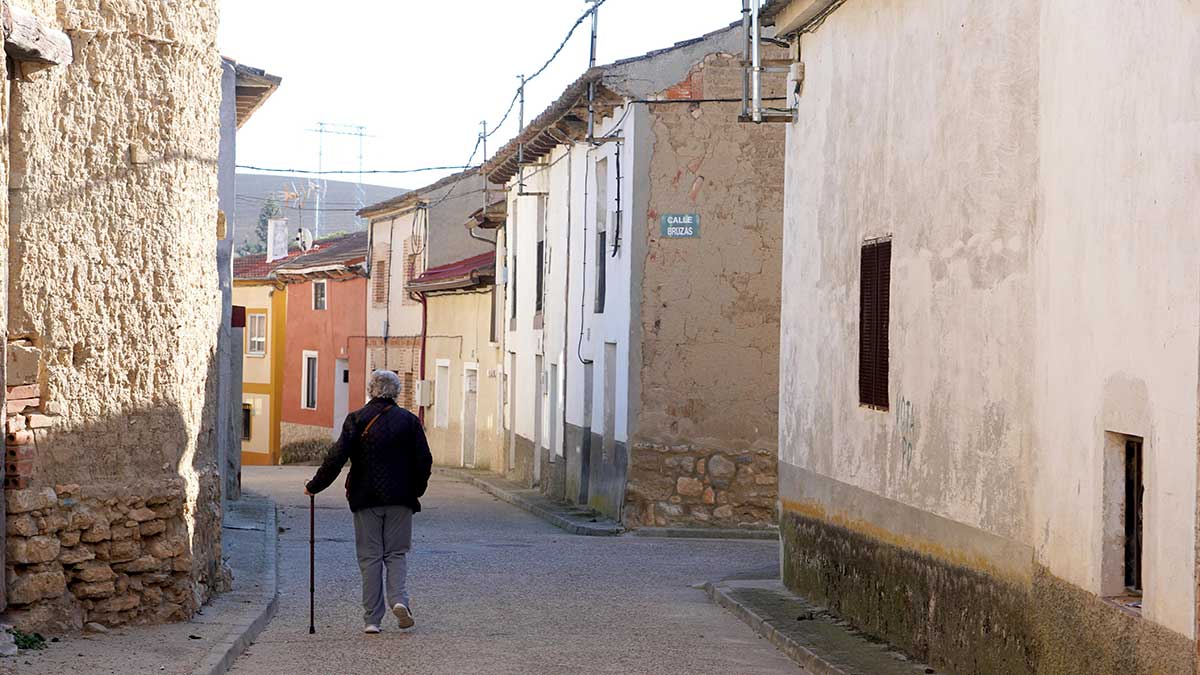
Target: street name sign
(681, 225)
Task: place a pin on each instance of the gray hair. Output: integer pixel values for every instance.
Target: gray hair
(384, 384)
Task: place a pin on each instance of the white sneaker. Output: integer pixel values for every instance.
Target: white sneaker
(371, 629)
(404, 616)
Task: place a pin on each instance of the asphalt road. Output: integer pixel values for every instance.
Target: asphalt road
(496, 590)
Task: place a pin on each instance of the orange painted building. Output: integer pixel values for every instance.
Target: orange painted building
(324, 358)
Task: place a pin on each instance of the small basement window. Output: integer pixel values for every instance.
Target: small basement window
(1122, 556)
(874, 306)
(1134, 490)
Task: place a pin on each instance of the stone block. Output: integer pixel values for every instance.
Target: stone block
(24, 391)
(701, 467)
(30, 550)
(40, 421)
(720, 466)
(82, 517)
(710, 497)
(124, 531)
(93, 571)
(723, 512)
(124, 551)
(680, 465)
(119, 603)
(52, 522)
(32, 499)
(24, 364)
(28, 588)
(99, 589)
(14, 406)
(142, 515)
(765, 480)
(75, 555)
(146, 563)
(669, 510)
(15, 423)
(70, 489)
(153, 527)
(101, 549)
(22, 526)
(69, 538)
(151, 595)
(689, 487)
(98, 532)
(166, 547)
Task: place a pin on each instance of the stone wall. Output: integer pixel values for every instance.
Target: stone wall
(115, 514)
(686, 486)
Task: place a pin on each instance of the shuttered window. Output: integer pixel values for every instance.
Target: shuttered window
(875, 298)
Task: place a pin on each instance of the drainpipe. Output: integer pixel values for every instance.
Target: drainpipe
(756, 61)
(746, 48)
(424, 336)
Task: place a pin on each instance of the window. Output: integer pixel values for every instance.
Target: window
(601, 233)
(441, 393)
(256, 340)
(512, 288)
(874, 300)
(319, 290)
(541, 255)
(1134, 491)
(247, 418)
(601, 270)
(309, 391)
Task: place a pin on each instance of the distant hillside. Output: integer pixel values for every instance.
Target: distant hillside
(337, 209)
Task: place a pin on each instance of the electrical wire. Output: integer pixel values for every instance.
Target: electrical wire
(352, 171)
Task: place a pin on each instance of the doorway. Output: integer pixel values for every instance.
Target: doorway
(469, 410)
(341, 395)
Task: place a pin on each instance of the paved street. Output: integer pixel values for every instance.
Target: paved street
(495, 590)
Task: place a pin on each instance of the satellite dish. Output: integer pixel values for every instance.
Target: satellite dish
(304, 238)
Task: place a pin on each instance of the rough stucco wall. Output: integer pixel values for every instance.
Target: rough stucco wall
(1119, 286)
(710, 306)
(111, 270)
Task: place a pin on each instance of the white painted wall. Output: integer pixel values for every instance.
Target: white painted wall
(588, 331)
(1037, 169)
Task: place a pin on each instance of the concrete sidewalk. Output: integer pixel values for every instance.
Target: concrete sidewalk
(207, 644)
(808, 634)
(584, 521)
(573, 519)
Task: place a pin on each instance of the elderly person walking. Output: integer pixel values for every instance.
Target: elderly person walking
(389, 470)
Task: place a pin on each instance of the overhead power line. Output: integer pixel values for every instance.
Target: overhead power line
(349, 171)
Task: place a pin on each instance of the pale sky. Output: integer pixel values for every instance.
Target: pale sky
(420, 76)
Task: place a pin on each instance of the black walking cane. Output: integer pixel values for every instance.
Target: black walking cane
(312, 562)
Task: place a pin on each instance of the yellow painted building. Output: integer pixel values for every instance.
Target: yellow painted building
(463, 422)
(265, 302)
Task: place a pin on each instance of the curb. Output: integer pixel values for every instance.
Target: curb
(242, 635)
(801, 655)
(548, 515)
(700, 533)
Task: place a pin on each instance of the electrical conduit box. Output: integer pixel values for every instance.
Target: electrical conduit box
(423, 393)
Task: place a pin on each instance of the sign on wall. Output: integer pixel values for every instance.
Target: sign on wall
(681, 226)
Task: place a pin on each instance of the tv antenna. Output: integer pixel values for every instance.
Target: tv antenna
(356, 130)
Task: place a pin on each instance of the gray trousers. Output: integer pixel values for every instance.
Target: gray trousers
(382, 537)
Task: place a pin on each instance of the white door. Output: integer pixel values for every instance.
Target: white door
(470, 406)
(341, 395)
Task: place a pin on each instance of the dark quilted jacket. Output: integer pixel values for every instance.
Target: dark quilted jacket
(389, 464)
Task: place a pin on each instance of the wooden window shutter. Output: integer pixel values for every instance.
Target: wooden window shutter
(875, 300)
